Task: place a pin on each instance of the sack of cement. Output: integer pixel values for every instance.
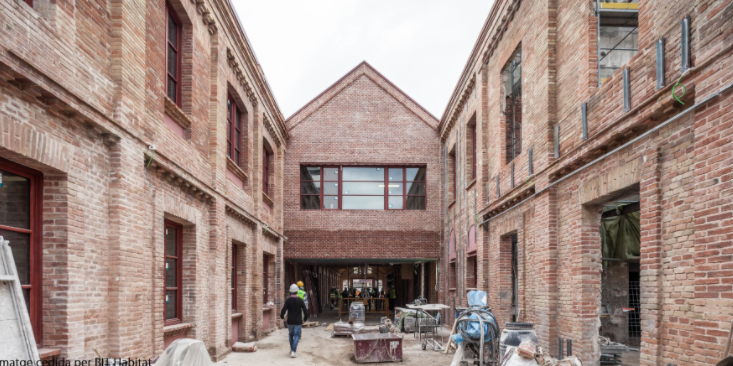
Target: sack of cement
(408, 325)
(185, 352)
(244, 347)
(341, 328)
(368, 329)
(512, 358)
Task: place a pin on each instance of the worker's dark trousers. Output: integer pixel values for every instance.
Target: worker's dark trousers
(392, 303)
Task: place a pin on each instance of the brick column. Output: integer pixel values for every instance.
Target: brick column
(545, 224)
(651, 274)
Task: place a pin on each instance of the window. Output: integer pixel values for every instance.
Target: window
(513, 105)
(453, 161)
(266, 169)
(29, 2)
(362, 188)
(173, 272)
(265, 278)
(618, 36)
(471, 149)
(173, 55)
(21, 192)
(234, 278)
(234, 131)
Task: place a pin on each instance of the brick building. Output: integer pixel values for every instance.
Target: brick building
(362, 188)
(564, 117)
(152, 190)
(141, 153)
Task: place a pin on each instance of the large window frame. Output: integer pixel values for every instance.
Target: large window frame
(234, 131)
(173, 93)
(395, 205)
(35, 232)
(265, 278)
(178, 257)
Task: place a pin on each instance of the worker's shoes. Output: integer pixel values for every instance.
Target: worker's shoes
(293, 355)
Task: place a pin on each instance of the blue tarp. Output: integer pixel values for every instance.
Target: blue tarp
(472, 329)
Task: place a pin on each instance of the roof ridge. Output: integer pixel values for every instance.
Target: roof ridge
(346, 80)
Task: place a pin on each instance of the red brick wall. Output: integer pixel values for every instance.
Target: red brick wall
(81, 101)
(362, 119)
(682, 173)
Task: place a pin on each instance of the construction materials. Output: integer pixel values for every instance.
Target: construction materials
(379, 347)
(478, 331)
(344, 329)
(15, 327)
(244, 347)
(310, 324)
(429, 325)
(611, 352)
(357, 312)
(514, 334)
(330, 326)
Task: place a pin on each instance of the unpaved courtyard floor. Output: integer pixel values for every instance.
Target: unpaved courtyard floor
(316, 347)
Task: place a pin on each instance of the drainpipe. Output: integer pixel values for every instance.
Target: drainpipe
(422, 280)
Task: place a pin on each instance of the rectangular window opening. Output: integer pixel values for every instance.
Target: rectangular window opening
(618, 37)
(234, 131)
(512, 76)
(173, 55)
(173, 272)
(362, 188)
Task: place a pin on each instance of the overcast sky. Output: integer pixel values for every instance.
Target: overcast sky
(304, 46)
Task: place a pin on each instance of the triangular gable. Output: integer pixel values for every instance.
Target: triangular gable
(367, 70)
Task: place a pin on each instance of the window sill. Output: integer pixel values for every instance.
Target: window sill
(470, 185)
(170, 330)
(452, 289)
(237, 315)
(267, 307)
(452, 204)
(176, 114)
(232, 166)
(267, 200)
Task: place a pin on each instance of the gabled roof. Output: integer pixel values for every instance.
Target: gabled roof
(363, 69)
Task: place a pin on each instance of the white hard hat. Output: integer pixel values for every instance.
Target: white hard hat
(293, 288)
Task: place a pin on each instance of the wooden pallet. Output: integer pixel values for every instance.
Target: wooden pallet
(310, 324)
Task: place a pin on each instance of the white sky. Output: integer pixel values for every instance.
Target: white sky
(304, 46)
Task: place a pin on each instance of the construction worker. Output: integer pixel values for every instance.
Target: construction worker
(333, 295)
(302, 294)
(295, 308)
(392, 298)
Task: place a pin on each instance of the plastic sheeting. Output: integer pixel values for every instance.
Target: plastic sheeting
(185, 352)
(477, 298)
(621, 236)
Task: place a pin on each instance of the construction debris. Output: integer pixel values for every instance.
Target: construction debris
(244, 347)
(310, 324)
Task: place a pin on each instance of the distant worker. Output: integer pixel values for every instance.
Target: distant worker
(302, 294)
(333, 296)
(392, 298)
(345, 293)
(366, 295)
(295, 308)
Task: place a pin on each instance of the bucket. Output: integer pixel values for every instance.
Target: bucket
(514, 334)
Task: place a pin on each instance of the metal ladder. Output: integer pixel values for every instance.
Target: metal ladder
(15, 324)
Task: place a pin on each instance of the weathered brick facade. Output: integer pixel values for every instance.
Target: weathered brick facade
(85, 115)
(681, 172)
(82, 99)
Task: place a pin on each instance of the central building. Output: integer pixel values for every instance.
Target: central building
(362, 190)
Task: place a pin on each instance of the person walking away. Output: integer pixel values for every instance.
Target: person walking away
(392, 298)
(295, 308)
(367, 298)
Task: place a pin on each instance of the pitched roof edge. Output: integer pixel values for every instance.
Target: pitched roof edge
(323, 98)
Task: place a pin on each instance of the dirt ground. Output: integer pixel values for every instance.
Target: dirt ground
(316, 347)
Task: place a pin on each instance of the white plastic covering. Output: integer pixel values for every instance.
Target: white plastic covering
(185, 352)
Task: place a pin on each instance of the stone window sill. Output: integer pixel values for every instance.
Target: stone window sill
(267, 200)
(267, 307)
(176, 114)
(170, 330)
(237, 315)
(470, 185)
(232, 166)
(452, 289)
